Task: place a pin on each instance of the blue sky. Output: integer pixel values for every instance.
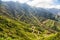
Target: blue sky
(57, 2)
(41, 3)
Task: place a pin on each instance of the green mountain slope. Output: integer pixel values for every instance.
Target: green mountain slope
(22, 22)
(11, 29)
(15, 30)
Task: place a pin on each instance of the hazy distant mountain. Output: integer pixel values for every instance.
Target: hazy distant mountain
(54, 11)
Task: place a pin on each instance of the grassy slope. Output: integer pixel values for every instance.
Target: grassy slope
(14, 29)
(11, 29)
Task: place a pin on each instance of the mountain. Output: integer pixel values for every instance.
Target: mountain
(54, 11)
(23, 22)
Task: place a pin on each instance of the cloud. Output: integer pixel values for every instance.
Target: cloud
(56, 6)
(23, 1)
(44, 3)
(9, 0)
(34, 2)
(41, 3)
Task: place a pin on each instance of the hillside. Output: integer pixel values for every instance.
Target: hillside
(11, 29)
(23, 22)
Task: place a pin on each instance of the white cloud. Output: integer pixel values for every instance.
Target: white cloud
(39, 3)
(9, 0)
(34, 2)
(43, 4)
(22, 1)
(56, 6)
(48, 6)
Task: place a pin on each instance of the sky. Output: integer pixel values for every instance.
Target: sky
(40, 3)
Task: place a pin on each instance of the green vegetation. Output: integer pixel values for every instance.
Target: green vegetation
(19, 23)
(11, 29)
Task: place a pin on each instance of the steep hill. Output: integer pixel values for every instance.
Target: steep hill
(11, 29)
(23, 22)
(19, 11)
